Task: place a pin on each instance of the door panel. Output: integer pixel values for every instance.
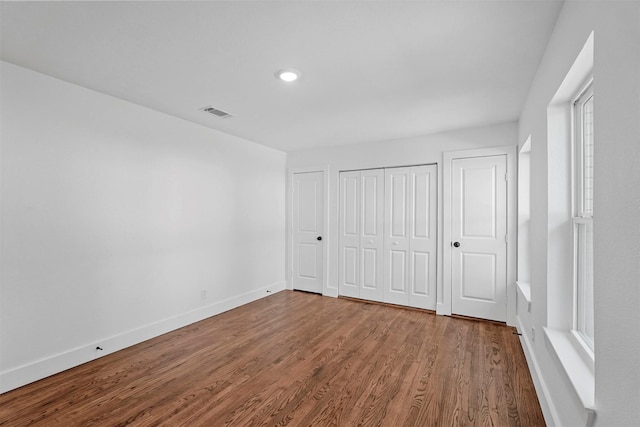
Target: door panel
(396, 242)
(478, 224)
(308, 253)
(421, 201)
(361, 234)
(370, 213)
(349, 235)
(350, 204)
(478, 201)
(307, 227)
(420, 273)
(410, 242)
(398, 202)
(372, 237)
(423, 243)
(398, 267)
(308, 193)
(350, 270)
(369, 268)
(478, 277)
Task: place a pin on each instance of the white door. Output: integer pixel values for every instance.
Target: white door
(307, 231)
(423, 243)
(372, 235)
(410, 243)
(361, 234)
(478, 234)
(348, 259)
(396, 242)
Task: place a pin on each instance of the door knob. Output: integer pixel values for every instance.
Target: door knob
(319, 238)
(456, 244)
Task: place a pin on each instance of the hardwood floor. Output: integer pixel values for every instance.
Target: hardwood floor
(297, 359)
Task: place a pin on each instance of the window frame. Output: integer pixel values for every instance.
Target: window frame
(584, 95)
(581, 218)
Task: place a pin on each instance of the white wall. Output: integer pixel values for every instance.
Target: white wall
(616, 27)
(427, 149)
(115, 218)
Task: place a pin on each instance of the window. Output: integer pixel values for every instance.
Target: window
(583, 143)
(570, 210)
(524, 220)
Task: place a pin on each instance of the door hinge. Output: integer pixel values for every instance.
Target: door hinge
(506, 238)
(506, 176)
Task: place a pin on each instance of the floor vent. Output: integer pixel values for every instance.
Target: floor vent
(216, 112)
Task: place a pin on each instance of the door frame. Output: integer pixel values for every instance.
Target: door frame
(444, 305)
(326, 238)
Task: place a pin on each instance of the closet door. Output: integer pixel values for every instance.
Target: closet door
(396, 239)
(361, 234)
(410, 245)
(372, 234)
(388, 235)
(349, 239)
(423, 236)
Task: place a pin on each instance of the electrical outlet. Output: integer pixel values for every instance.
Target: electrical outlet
(203, 294)
(533, 334)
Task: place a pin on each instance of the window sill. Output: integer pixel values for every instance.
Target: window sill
(580, 374)
(525, 290)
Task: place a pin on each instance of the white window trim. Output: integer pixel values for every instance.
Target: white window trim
(580, 216)
(578, 158)
(523, 273)
(562, 343)
(563, 346)
(585, 347)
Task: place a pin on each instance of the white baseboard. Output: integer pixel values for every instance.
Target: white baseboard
(28, 373)
(546, 404)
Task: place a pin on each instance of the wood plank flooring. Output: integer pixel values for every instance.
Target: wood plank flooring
(297, 359)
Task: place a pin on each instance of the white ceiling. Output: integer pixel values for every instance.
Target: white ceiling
(371, 70)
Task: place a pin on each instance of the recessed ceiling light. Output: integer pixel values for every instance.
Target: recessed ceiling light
(288, 75)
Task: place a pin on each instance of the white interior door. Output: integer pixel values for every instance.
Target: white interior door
(372, 234)
(478, 234)
(349, 238)
(307, 231)
(410, 245)
(361, 234)
(396, 242)
(388, 236)
(423, 243)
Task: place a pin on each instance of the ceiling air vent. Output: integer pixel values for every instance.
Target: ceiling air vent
(216, 112)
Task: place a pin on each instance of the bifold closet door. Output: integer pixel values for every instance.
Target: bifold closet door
(410, 242)
(388, 235)
(361, 234)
